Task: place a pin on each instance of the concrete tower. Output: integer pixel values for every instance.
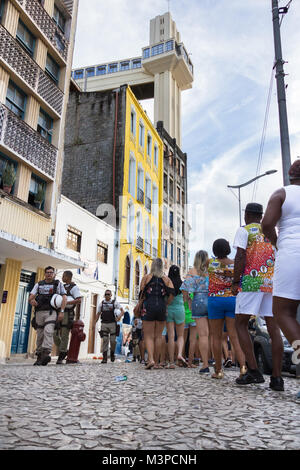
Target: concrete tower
(162, 72)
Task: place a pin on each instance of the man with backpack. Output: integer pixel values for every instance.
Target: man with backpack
(61, 334)
(109, 313)
(46, 316)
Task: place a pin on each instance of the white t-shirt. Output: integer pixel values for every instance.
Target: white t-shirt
(241, 239)
(48, 288)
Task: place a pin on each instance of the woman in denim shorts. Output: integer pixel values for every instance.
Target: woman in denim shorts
(197, 282)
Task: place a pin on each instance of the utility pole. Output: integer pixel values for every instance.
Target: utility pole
(281, 97)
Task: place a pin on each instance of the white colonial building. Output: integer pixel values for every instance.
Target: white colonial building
(82, 235)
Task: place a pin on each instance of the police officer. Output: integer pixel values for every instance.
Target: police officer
(109, 324)
(45, 315)
(61, 334)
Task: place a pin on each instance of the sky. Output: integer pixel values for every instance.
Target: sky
(232, 50)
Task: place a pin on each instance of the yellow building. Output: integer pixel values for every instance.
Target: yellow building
(36, 49)
(141, 221)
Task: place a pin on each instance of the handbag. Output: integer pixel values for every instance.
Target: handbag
(137, 311)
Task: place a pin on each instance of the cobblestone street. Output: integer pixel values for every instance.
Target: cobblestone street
(80, 407)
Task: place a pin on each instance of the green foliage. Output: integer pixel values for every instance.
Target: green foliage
(9, 175)
(40, 195)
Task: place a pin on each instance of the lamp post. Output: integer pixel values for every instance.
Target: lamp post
(239, 186)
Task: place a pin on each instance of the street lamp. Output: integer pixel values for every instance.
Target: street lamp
(239, 186)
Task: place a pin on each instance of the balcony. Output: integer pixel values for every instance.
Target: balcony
(26, 143)
(25, 67)
(139, 243)
(47, 26)
(140, 195)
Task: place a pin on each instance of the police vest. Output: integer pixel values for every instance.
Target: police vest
(107, 310)
(45, 292)
(68, 288)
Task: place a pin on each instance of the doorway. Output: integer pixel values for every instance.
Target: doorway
(92, 327)
(22, 319)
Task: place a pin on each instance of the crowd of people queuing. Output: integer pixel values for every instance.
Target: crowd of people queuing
(219, 295)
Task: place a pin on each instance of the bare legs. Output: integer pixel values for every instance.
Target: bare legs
(171, 340)
(216, 329)
(285, 313)
(153, 340)
(203, 332)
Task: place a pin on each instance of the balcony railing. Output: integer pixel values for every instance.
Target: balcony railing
(139, 243)
(46, 24)
(23, 65)
(140, 195)
(21, 139)
(148, 203)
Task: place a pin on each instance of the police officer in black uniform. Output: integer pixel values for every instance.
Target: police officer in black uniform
(45, 315)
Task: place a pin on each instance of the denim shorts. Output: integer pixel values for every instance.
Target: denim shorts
(221, 307)
(199, 305)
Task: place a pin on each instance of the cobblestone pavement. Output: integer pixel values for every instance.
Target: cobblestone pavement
(78, 407)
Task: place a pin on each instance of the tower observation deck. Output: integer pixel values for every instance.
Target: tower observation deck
(162, 71)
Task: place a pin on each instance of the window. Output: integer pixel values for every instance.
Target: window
(136, 64)
(140, 196)
(52, 69)
(2, 3)
(127, 273)
(146, 53)
(165, 248)
(178, 225)
(25, 38)
(90, 72)
(171, 188)
(101, 70)
(74, 239)
(149, 145)
(133, 122)
(16, 100)
(45, 125)
(165, 182)
(37, 191)
(178, 194)
(179, 256)
(112, 68)
(155, 201)
(169, 46)
(59, 19)
(124, 65)
(182, 198)
(78, 74)
(148, 194)
(132, 175)
(165, 215)
(130, 223)
(183, 229)
(141, 134)
(171, 219)
(59, 43)
(172, 251)
(137, 274)
(159, 49)
(155, 155)
(102, 252)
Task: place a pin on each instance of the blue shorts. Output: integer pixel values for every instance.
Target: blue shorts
(187, 325)
(221, 307)
(199, 305)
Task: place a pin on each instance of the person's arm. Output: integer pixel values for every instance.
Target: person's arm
(239, 267)
(32, 296)
(272, 215)
(98, 314)
(121, 314)
(170, 285)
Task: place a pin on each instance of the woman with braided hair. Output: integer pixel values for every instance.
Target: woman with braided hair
(284, 211)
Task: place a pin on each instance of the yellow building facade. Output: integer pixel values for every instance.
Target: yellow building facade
(36, 49)
(141, 221)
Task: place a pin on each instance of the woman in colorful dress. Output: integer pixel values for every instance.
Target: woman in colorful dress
(196, 282)
(221, 305)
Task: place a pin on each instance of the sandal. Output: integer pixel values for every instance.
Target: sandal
(182, 362)
(192, 366)
(150, 365)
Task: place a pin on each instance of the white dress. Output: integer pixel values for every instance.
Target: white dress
(286, 282)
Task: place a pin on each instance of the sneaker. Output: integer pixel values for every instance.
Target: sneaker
(211, 362)
(228, 363)
(251, 377)
(277, 384)
(205, 370)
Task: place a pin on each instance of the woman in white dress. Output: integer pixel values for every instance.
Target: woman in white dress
(284, 211)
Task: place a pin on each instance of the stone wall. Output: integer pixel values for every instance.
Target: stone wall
(89, 144)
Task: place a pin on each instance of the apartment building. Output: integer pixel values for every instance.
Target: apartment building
(36, 48)
(115, 155)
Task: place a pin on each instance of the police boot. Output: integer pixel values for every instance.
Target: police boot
(45, 357)
(112, 357)
(104, 360)
(38, 361)
(61, 357)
